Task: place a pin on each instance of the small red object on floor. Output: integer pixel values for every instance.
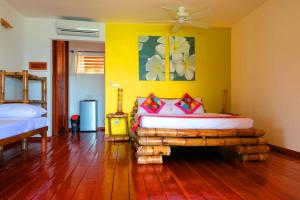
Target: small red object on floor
(75, 117)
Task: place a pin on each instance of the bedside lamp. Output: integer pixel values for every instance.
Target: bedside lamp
(119, 97)
(120, 102)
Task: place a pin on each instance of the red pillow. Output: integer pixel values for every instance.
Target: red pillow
(153, 104)
(188, 104)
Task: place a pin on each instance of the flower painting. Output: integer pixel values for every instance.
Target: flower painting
(151, 58)
(182, 58)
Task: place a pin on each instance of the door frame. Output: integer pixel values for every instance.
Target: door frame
(60, 59)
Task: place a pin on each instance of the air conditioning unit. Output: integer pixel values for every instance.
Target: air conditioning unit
(77, 28)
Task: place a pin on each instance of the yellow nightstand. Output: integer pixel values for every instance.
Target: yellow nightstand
(110, 136)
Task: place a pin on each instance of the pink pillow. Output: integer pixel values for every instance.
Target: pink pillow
(188, 104)
(153, 104)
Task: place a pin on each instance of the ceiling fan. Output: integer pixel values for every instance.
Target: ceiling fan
(182, 17)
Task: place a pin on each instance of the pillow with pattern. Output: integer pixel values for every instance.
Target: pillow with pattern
(153, 104)
(188, 104)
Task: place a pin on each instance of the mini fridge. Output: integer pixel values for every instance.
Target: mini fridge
(88, 115)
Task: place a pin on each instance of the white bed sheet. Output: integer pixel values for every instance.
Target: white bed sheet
(153, 121)
(14, 126)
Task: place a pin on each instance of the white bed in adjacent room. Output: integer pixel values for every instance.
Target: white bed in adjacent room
(13, 126)
(23, 118)
(203, 121)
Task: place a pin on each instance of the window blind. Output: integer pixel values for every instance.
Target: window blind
(90, 63)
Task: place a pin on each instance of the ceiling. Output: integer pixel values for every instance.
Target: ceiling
(225, 12)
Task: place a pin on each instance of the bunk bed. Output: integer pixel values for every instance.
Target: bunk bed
(14, 130)
(153, 135)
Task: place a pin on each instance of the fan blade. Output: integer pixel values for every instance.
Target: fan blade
(168, 9)
(199, 24)
(161, 22)
(176, 28)
(201, 13)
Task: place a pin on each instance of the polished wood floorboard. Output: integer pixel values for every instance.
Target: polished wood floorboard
(86, 167)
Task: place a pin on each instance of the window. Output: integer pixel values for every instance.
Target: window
(89, 63)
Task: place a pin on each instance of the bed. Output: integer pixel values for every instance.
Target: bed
(203, 121)
(154, 134)
(21, 119)
(15, 126)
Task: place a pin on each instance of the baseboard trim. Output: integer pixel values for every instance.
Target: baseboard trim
(97, 129)
(100, 128)
(285, 151)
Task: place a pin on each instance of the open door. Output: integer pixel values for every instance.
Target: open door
(60, 87)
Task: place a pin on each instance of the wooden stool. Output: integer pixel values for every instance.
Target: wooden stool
(112, 137)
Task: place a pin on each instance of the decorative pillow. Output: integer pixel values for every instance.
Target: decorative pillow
(152, 104)
(178, 111)
(188, 104)
(167, 109)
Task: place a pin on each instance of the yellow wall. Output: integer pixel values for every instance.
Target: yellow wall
(212, 66)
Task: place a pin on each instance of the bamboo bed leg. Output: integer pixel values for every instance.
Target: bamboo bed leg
(149, 160)
(25, 86)
(44, 142)
(252, 152)
(252, 149)
(255, 157)
(152, 150)
(24, 144)
(2, 86)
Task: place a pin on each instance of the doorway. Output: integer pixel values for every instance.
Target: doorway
(77, 76)
(86, 83)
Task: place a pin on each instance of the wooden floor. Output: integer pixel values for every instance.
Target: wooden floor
(89, 168)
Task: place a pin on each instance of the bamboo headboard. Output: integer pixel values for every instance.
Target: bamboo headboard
(25, 77)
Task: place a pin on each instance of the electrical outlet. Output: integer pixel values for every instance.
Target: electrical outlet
(114, 84)
(117, 122)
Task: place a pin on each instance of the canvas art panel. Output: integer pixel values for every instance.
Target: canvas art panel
(182, 58)
(151, 58)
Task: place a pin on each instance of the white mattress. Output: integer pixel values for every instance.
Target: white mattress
(14, 126)
(182, 122)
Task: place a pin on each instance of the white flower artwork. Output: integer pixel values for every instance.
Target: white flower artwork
(155, 68)
(172, 70)
(178, 46)
(160, 48)
(142, 39)
(186, 67)
(152, 58)
(182, 58)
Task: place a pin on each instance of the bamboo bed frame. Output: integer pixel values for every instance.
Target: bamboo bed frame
(152, 144)
(25, 77)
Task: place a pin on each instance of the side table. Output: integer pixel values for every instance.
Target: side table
(112, 137)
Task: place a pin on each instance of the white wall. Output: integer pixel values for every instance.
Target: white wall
(39, 33)
(11, 48)
(11, 40)
(266, 70)
(85, 86)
